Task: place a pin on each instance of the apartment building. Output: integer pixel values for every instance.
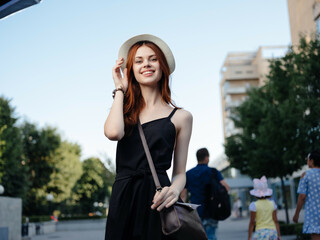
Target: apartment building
(304, 16)
(241, 71)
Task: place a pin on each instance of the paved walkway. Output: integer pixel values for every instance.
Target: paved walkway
(230, 229)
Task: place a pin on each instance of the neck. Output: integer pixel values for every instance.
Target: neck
(202, 163)
(151, 96)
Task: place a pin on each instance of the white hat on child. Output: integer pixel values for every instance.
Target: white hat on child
(261, 188)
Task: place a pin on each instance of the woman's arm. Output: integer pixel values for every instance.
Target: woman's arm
(251, 224)
(184, 195)
(275, 219)
(114, 125)
(301, 200)
(169, 195)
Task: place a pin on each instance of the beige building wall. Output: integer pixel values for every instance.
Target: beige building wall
(241, 71)
(304, 18)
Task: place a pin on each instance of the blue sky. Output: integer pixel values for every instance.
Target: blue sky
(56, 59)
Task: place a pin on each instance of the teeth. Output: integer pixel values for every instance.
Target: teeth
(147, 72)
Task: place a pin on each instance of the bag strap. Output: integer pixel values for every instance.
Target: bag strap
(150, 161)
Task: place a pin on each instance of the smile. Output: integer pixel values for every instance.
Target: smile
(147, 73)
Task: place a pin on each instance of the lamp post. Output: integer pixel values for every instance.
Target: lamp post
(50, 199)
(1, 189)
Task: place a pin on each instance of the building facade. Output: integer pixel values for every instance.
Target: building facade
(241, 71)
(304, 17)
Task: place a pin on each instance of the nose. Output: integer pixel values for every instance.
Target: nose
(146, 63)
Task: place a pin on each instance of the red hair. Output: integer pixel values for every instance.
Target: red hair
(133, 101)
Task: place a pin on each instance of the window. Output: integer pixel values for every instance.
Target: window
(318, 24)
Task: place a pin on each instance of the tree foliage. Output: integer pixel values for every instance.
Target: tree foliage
(35, 162)
(280, 121)
(39, 147)
(93, 184)
(13, 170)
(67, 171)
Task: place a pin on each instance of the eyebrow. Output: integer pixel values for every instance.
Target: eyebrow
(153, 55)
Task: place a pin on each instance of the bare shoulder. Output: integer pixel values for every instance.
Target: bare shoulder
(182, 118)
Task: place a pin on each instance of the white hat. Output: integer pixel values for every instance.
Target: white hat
(261, 188)
(124, 49)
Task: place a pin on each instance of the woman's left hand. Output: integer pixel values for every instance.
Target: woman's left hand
(166, 198)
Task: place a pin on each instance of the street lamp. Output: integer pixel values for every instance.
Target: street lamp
(1, 189)
(8, 7)
(50, 199)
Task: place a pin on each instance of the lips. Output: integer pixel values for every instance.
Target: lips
(147, 73)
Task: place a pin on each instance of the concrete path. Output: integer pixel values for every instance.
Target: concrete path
(230, 229)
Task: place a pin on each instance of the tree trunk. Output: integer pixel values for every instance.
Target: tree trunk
(285, 199)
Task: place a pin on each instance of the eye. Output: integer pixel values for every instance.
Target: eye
(154, 59)
(138, 61)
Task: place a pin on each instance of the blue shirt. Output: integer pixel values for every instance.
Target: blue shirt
(310, 186)
(197, 178)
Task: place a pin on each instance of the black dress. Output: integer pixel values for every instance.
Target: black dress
(130, 215)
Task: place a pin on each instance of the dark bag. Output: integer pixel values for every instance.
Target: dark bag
(180, 221)
(217, 201)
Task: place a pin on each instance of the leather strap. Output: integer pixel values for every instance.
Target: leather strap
(150, 161)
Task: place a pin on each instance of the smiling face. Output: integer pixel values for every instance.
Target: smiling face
(146, 66)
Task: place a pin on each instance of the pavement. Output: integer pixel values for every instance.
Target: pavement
(230, 229)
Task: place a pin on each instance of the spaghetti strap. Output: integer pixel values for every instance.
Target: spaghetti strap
(173, 111)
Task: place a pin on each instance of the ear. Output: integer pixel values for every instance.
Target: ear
(311, 162)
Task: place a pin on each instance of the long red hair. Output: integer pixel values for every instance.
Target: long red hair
(133, 101)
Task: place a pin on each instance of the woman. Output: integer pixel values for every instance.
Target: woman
(143, 93)
(263, 213)
(309, 193)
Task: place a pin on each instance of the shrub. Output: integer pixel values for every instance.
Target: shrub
(293, 229)
(79, 217)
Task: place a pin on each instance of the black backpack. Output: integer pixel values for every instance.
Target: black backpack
(217, 201)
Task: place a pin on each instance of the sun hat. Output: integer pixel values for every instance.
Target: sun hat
(261, 188)
(125, 47)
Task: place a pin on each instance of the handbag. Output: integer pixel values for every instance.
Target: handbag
(180, 221)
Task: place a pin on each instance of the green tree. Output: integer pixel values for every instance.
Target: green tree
(13, 169)
(92, 185)
(67, 170)
(39, 147)
(280, 122)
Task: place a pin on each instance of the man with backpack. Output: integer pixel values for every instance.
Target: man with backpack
(203, 183)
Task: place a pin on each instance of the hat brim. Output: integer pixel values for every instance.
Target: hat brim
(125, 47)
(259, 194)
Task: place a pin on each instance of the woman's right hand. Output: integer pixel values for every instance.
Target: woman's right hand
(119, 80)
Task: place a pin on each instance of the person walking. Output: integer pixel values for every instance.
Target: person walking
(239, 206)
(142, 94)
(309, 194)
(263, 213)
(197, 178)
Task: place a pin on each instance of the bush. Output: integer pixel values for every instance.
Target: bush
(288, 229)
(40, 218)
(293, 229)
(79, 217)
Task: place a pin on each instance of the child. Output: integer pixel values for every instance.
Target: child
(263, 212)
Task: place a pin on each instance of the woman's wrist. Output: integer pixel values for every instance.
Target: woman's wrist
(118, 89)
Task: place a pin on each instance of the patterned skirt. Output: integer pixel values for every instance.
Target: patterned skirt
(265, 234)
